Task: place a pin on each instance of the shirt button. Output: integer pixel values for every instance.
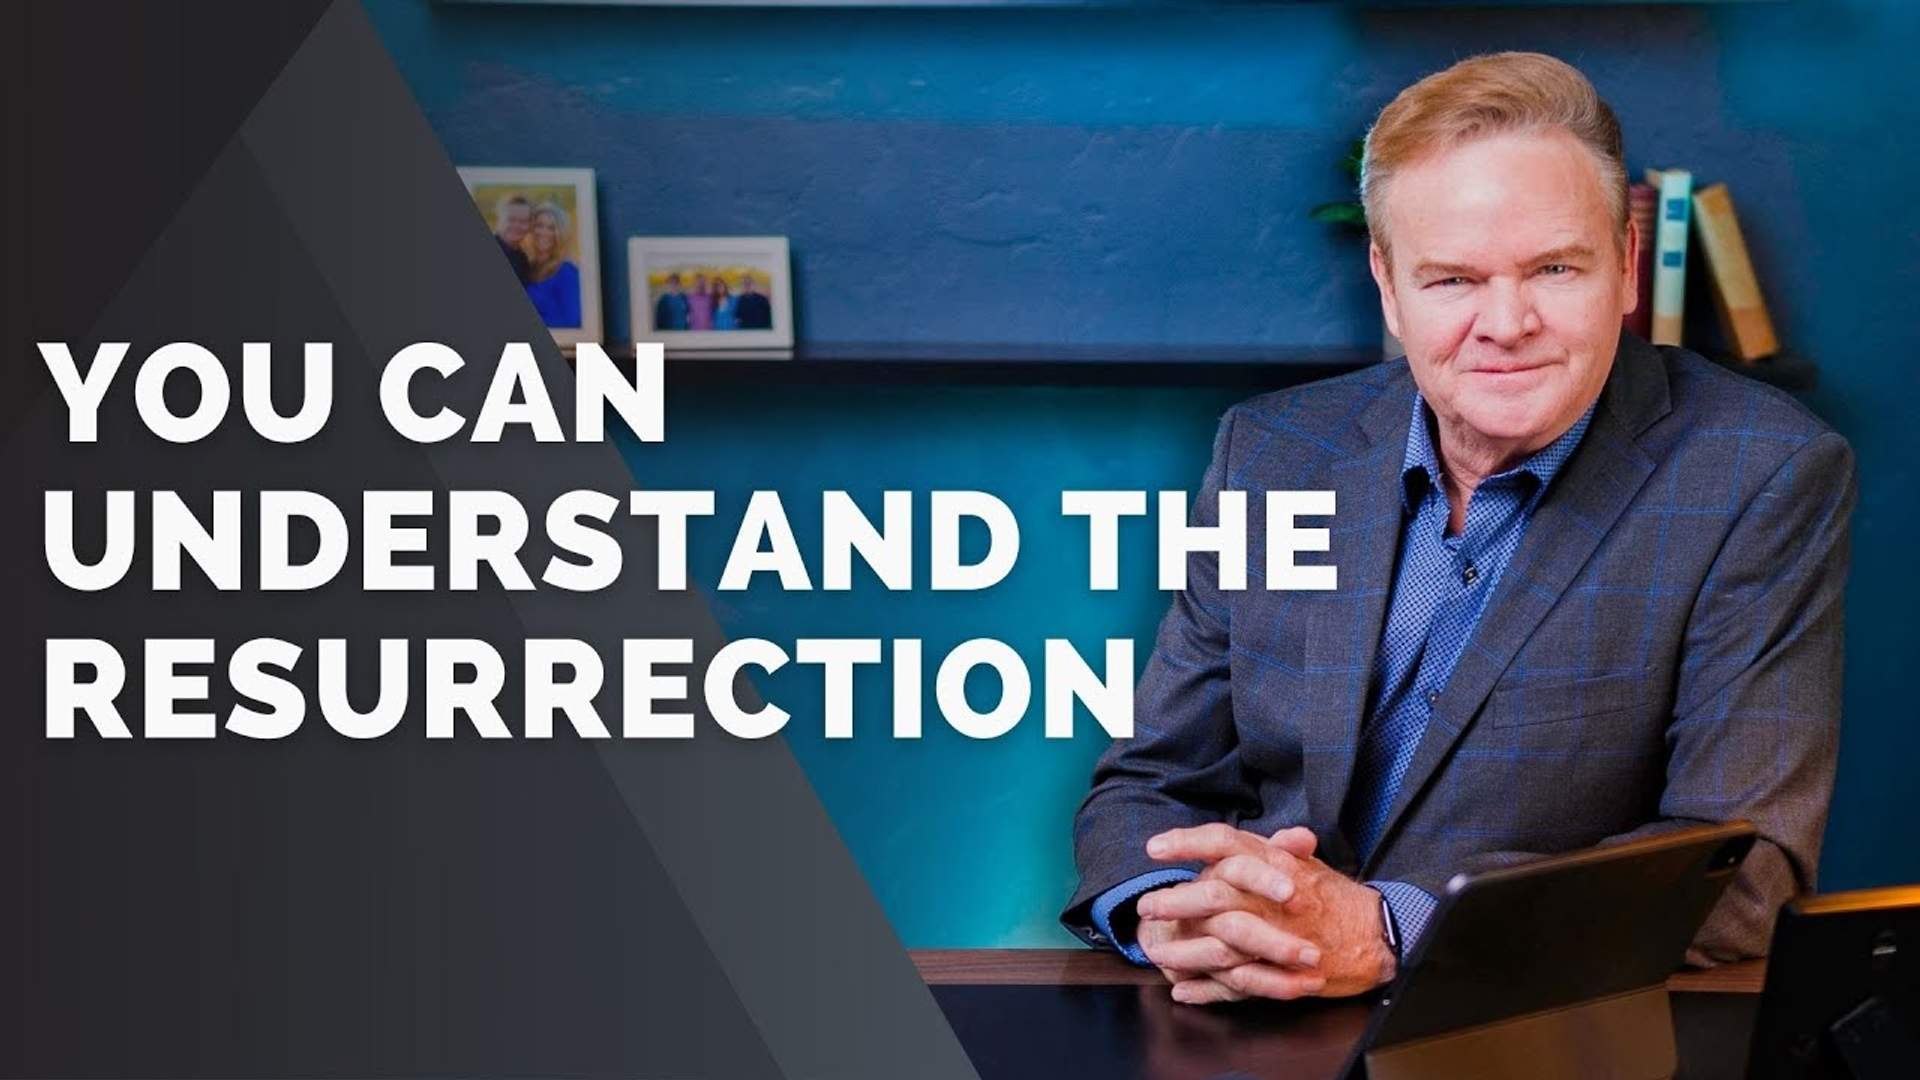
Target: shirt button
(1432, 696)
(1471, 574)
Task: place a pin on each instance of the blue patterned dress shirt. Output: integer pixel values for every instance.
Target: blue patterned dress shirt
(1440, 587)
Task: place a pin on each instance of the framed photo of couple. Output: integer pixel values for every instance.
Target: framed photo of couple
(548, 229)
(711, 294)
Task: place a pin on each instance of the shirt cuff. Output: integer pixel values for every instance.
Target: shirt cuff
(1119, 901)
(1411, 908)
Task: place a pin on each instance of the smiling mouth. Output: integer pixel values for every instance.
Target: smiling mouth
(1512, 369)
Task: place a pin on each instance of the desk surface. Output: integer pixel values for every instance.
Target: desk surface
(1090, 967)
(1075, 1012)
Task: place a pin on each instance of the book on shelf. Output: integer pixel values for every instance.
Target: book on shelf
(1670, 253)
(1642, 203)
(1736, 290)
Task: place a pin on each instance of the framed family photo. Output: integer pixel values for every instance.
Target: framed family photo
(708, 294)
(548, 229)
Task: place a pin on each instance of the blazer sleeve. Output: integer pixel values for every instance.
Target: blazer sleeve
(1182, 767)
(1756, 727)
(1756, 724)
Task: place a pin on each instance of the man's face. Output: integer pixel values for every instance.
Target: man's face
(514, 222)
(1507, 286)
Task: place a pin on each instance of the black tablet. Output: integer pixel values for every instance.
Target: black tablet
(1842, 998)
(1519, 960)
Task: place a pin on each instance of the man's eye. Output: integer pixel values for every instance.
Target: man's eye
(1447, 281)
(1555, 269)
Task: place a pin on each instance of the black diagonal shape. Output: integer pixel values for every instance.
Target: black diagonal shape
(113, 112)
(312, 906)
(321, 907)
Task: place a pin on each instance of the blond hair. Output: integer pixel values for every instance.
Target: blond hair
(1488, 95)
(540, 269)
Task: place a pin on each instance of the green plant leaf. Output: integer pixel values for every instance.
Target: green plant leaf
(1340, 213)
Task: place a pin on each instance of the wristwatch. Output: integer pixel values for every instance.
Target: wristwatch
(1388, 930)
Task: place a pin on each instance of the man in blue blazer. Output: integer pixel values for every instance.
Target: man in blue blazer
(1588, 589)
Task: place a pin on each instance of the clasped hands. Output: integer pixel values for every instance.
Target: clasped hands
(1264, 919)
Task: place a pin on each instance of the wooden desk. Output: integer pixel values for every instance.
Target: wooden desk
(1092, 967)
(1034, 1013)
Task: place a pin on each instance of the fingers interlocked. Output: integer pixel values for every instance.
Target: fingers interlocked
(1225, 926)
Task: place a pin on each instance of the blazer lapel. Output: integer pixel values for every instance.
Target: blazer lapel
(1588, 496)
(1344, 633)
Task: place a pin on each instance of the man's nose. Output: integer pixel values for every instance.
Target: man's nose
(1508, 316)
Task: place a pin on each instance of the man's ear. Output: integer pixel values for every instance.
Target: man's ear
(1631, 279)
(1383, 277)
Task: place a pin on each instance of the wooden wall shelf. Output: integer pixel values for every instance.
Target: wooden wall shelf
(870, 364)
(1019, 365)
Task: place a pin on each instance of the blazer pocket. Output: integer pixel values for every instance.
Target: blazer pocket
(1523, 704)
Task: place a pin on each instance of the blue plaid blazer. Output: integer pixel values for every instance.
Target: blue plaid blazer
(1663, 649)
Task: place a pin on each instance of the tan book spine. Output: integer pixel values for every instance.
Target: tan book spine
(1736, 291)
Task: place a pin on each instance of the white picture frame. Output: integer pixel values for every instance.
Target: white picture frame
(731, 260)
(572, 192)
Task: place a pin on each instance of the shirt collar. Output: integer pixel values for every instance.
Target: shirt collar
(1421, 469)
